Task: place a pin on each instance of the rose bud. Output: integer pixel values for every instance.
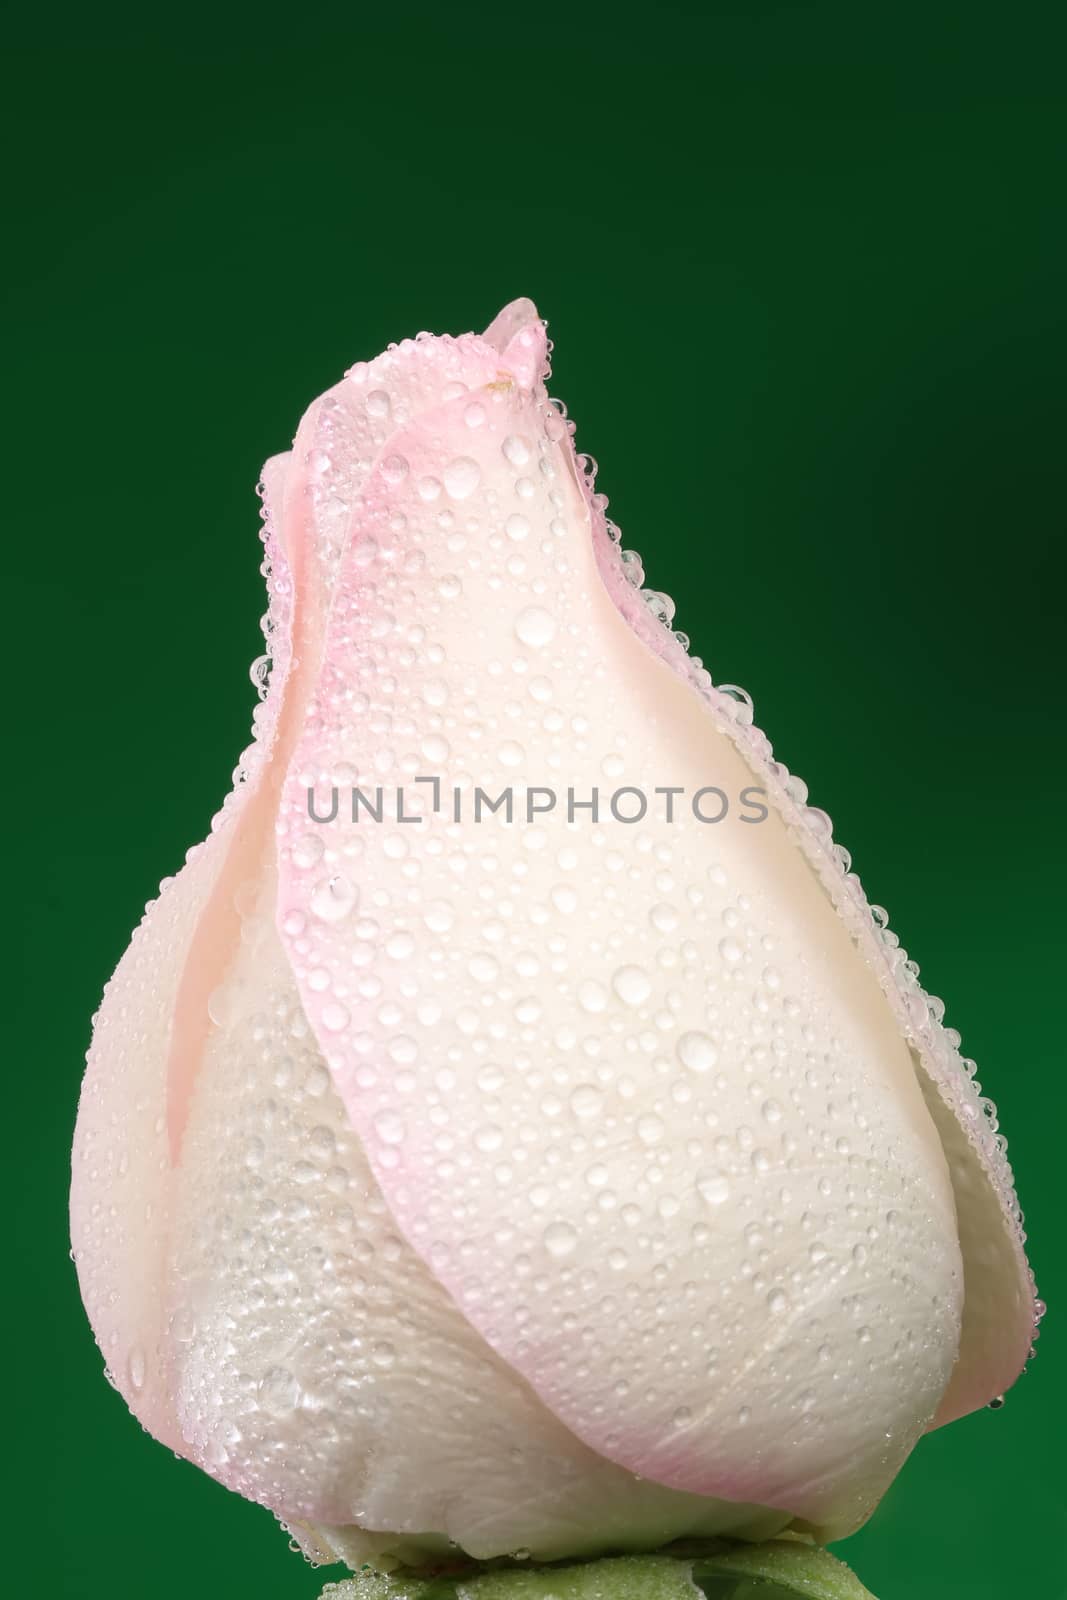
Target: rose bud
(513, 1128)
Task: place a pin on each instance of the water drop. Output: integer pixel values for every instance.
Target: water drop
(650, 1129)
(632, 985)
(333, 898)
(182, 1325)
(714, 1188)
(394, 470)
(586, 1100)
(462, 476)
(278, 1391)
(335, 1018)
(535, 627)
(560, 1238)
(592, 997)
(308, 851)
(135, 1368)
(697, 1052)
(516, 449)
(389, 1127)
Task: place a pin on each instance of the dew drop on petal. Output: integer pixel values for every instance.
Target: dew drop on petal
(714, 1188)
(516, 450)
(334, 1017)
(462, 476)
(592, 997)
(389, 1127)
(586, 1100)
(560, 1238)
(394, 470)
(308, 851)
(278, 1391)
(663, 918)
(135, 1368)
(697, 1052)
(632, 985)
(438, 916)
(535, 627)
(333, 898)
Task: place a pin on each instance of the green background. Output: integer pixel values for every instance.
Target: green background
(806, 269)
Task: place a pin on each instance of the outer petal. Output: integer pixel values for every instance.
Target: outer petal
(635, 1093)
(156, 1019)
(123, 1179)
(1001, 1311)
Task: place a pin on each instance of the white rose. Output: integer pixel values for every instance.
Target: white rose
(562, 1183)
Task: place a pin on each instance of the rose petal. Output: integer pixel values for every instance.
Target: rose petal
(737, 1275)
(155, 1020)
(139, 1074)
(321, 1368)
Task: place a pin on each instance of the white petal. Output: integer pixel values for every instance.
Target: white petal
(323, 1370)
(737, 1275)
(155, 1020)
